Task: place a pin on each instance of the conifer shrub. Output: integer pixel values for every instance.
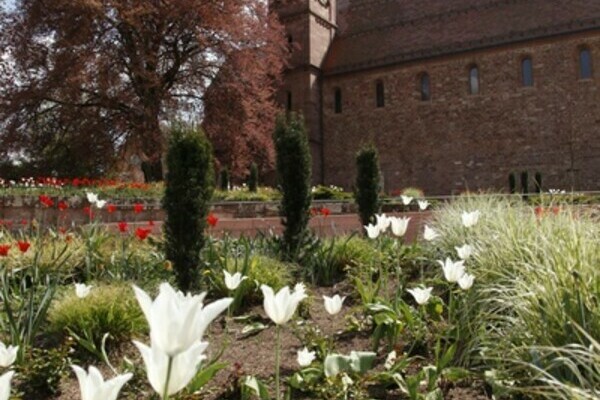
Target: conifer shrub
(253, 178)
(537, 182)
(512, 183)
(224, 179)
(525, 184)
(189, 187)
(293, 163)
(367, 183)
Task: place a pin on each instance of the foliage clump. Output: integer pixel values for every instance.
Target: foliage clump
(188, 190)
(294, 180)
(107, 309)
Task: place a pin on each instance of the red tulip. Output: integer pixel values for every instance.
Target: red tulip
(150, 223)
(46, 201)
(23, 222)
(4, 248)
(111, 208)
(142, 233)
(325, 212)
(23, 246)
(123, 226)
(88, 211)
(138, 208)
(539, 211)
(62, 205)
(212, 220)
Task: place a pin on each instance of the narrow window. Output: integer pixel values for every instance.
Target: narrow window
(289, 101)
(425, 87)
(380, 94)
(474, 79)
(527, 71)
(585, 64)
(337, 106)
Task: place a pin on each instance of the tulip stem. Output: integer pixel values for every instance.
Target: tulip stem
(277, 346)
(169, 368)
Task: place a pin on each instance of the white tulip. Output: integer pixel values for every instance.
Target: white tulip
(469, 219)
(93, 386)
(390, 360)
(333, 305)
(8, 355)
(82, 290)
(92, 197)
(453, 271)
(423, 205)
(464, 251)
(305, 357)
(184, 366)
(466, 281)
(282, 306)
(100, 203)
(430, 234)
(406, 200)
(5, 385)
(400, 225)
(372, 231)
(421, 295)
(177, 321)
(383, 222)
(233, 281)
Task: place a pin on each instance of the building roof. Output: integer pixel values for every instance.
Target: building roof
(376, 33)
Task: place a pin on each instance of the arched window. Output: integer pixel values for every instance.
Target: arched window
(585, 64)
(380, 94)
(474, 79)
(425, 87)
(289, 101)
(527, 71)
(337, 101)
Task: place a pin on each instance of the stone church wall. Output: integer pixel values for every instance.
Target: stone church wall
(459, 141)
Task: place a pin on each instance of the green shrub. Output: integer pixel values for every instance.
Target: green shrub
(512, 183)
(331, 192)
(188, 191)
(367, 183)
(224, 179)
(525, 184)
(39, 376)
(253, 178)
(413, 192)
(107, 309)
(294, 179)
(537, 182)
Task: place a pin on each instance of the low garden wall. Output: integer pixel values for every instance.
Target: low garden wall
(234, 218)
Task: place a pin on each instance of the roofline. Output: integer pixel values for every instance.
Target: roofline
(461, 48)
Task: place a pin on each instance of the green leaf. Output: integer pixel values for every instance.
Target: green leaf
(204, 376)
(253, 328)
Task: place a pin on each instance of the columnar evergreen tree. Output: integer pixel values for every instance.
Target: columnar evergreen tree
(224, 179)
(189, 188)
(253, 178)
(367, 183)
(512, 183)
(525, 184)
(293, 163)
(537, 181)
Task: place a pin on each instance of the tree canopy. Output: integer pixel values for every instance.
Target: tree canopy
(96, 74)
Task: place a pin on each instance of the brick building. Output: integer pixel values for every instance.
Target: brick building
(455, 94)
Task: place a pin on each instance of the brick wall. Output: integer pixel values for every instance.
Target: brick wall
(459, 141)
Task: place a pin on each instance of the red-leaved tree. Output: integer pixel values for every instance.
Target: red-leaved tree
(98, 72)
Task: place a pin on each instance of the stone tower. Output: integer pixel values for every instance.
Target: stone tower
(310, 28)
